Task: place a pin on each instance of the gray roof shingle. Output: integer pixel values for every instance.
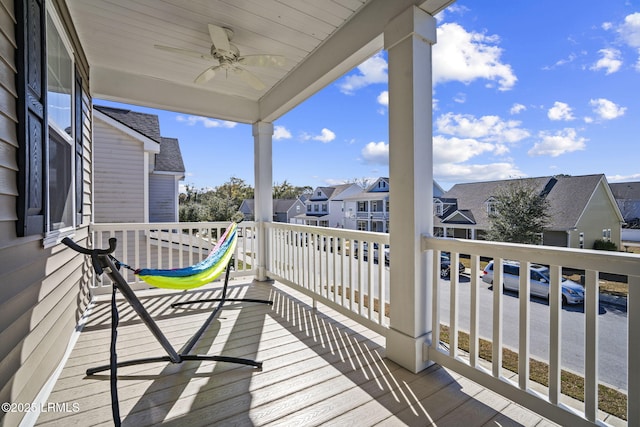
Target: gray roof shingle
(169, 159)
(568, 197)
(143, 123)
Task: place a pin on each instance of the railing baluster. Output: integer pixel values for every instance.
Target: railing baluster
(555, 333)
(453, 303)
(524, 324)
(435, 301)
(474, 316)
(633, 349)
(591, 307)
(497, 318)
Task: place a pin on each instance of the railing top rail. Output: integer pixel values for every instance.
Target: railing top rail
(587, 259)
(382, 238)
(107, 226)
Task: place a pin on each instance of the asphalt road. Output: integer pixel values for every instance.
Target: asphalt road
(612, 330)
(612, 325)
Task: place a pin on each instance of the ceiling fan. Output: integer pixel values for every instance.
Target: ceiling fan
(228, 57)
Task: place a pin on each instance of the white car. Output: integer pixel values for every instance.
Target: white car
(572, 293)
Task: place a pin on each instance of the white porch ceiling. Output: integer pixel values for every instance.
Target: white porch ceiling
(321, 40)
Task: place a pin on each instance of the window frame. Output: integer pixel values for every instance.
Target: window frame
(53, 236)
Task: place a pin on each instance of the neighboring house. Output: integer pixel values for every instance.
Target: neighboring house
(137, 171)
(324, 206)
(582, 209)
(368, 210)
(283, 209)
(627, 195)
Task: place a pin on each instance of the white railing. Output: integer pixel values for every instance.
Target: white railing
(337, 267)
(467, 362)
(344, 268)
(171, 245)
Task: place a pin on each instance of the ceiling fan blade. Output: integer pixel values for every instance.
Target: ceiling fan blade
(263, 60)
(206, 75)
(219, 38)
(250, 78)
(191, 53)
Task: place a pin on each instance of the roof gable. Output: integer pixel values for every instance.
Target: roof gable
(568, 197)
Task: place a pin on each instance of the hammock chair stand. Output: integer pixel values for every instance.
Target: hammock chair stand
(103, 262)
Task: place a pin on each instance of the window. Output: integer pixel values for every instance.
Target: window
(437, 208)
(362, 225)
(362, 206)
(309, 207)
(491, 207)
(606, 234)
(49, 130)
(324, 207)
(59, 109)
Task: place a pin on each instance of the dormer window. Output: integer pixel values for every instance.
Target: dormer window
(491, 206)
(438, 208)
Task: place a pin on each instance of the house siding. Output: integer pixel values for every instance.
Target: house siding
(119, 176)
(43, 292)
(162, 198)
(597, 217)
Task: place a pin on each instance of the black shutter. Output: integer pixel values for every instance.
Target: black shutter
(31, 59)
(77, 118)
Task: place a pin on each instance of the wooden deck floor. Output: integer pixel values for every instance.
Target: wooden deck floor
(320, 368)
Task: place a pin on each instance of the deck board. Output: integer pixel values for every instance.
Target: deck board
(320, 368)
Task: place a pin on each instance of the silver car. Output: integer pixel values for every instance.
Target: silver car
(572, 293)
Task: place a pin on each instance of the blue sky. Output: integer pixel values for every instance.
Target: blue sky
(521, 89)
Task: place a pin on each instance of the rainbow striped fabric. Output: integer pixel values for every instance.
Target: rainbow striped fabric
(199, 274)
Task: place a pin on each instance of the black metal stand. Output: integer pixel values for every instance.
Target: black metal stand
(103, 262)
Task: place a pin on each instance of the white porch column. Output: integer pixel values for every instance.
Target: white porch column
(408, 39)
(263, 193)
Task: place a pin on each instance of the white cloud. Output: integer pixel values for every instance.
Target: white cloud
(451, 172)
(618, 178)
(383, 98)
(376, 153)
(607, 110)
(325, 136)
(630, 30)
(466, 56)
(371, 71)
(205, 121)
(561, 142)
(517, 109)
(610, 61)
(560, 111)
(490, 128)
(457, 150)
(281, 132)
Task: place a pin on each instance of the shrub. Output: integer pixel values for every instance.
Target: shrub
(604, 245)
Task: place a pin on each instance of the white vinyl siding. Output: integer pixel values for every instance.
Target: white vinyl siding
(163, 194)
(119, 176)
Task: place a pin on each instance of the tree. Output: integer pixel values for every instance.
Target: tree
(519, 214)
(288, 191)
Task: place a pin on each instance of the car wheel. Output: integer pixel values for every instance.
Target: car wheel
(444, 272)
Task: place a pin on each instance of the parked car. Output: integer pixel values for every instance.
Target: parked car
(365, 252)
(572, 293)
(445, 265)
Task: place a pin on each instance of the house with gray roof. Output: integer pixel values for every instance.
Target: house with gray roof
(137, 171)
(368, 210)
(324, 207)
(582, 209)
(627, 195)
(283, 209)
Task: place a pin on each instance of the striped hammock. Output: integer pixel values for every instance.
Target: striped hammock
(199, 274)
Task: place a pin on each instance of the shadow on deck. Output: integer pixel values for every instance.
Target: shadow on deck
(319, 368)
